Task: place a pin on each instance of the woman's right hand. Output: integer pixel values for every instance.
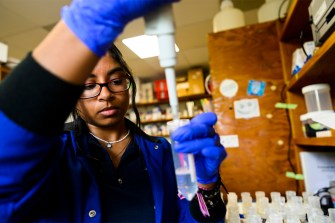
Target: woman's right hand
(97, 23)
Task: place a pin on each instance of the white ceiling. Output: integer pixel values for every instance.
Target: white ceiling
(24, 23)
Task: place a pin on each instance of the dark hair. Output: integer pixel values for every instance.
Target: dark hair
(115, 53)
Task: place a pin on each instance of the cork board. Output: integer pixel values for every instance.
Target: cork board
(260, 162)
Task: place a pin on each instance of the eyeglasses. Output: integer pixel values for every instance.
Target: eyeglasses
(115, 85)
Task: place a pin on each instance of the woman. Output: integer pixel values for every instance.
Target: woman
(128, 176)
(102, 168)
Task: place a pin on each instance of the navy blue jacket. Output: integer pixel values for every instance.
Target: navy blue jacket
(49, 179)
(44, 177)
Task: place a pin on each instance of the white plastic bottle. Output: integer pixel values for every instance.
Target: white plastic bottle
(228, 18)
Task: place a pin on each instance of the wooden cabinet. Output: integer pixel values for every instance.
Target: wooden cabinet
(260, 161)
(4, 71)
(319, 69)
(155, 124)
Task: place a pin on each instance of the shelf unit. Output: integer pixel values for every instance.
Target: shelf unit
(180, 99)
(319, 69)
(162, 121)
(4, 71)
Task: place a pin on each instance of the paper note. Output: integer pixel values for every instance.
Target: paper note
(228, 88)
(246, 108)
(229, 141)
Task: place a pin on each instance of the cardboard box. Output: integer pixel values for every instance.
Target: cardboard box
(161, 95)
(183, 89)
(160, 85)
(161, 90)
(196, 81)
(147, 92)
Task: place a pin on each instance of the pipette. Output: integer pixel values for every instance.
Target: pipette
(161, 24)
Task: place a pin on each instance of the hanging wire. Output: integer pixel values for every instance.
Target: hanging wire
(279, 11)
(283, 98)
(302, 36)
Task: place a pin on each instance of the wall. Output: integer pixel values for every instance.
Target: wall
(261, 160)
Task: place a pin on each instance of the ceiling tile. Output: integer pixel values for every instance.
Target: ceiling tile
(193, 35)
(148, 68)
(25, 41)
(197, 56)
(12, 23)
(40, 12)
(192, 11)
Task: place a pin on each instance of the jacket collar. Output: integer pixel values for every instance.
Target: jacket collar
(151, 147)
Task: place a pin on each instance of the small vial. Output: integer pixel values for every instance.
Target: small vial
(259, 195)
(314, 202)
(246, 204)
(275, 196)
(232, 207)
(275, 218)
(254, 218)
(263, 207)
(293, 220)
(289, 194)
(331, 212)
(233, 215)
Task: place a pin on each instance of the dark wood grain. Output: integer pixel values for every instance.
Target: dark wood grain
(260, 162)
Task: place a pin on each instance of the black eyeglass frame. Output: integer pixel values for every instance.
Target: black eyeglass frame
(106, 84)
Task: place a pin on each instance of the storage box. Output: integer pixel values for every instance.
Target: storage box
(147, 92)
(161, 95)
(312, 128)
(160, 85)
(161, 90)
(317, 98)
(196, 81)
(183, 89)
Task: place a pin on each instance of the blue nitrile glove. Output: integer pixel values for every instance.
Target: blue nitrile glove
(97, 23)
(199, 138)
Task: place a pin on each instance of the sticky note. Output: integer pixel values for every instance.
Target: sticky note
(290, 175)
(285, 105)
(299, 177)
(295, 176)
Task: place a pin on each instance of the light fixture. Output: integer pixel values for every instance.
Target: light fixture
(144, 46)
(228, 17)
(270, 10)
(3, 52)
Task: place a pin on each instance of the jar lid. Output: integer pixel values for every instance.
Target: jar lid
(314, 87)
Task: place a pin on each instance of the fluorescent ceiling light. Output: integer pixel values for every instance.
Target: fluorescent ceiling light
(144, 46)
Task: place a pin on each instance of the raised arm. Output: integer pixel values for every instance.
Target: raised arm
(87, 29)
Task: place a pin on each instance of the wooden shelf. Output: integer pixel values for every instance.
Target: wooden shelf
(296, 20)
(319, 68)
(161, 120)
(166, 136)
(326, 141)
(186, 98)
(4, 71)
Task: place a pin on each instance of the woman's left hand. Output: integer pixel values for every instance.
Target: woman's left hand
(199, 138)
